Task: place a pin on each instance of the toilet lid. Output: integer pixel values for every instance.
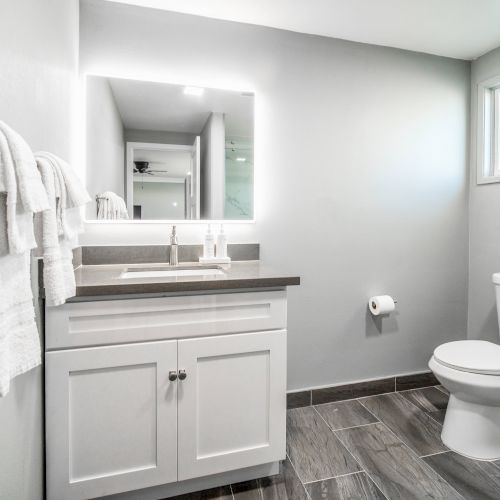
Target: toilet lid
(475, 356)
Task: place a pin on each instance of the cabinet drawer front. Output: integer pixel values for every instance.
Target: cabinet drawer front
(118, 321)
(232, 403)
(111, 419)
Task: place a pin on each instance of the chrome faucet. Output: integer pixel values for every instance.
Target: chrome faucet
(174, 246)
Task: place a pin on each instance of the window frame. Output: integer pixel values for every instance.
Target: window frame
(488, 131)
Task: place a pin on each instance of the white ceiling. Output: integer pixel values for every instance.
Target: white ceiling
(463, 29)
(162, 106)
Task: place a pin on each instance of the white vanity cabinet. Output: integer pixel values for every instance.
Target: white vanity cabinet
(159, 408)
(111, 419)
(231, 406)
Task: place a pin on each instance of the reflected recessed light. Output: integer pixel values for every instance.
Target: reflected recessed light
(174, 203)
(194, 90)
(240, 158)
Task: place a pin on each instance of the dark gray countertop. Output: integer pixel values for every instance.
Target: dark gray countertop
(95, 280)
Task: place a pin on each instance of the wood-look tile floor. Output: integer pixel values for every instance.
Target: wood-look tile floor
(372, 448)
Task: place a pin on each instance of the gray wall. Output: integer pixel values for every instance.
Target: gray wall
(157, 200)
(38, 50)
(105, 143)
(159, 137)
(361, 177)
(484, 258)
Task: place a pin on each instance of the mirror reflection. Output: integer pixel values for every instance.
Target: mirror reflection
(158, 151)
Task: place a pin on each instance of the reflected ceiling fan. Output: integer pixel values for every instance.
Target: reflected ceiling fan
(142, 167)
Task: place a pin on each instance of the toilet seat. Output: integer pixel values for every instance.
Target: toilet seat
(474, 356)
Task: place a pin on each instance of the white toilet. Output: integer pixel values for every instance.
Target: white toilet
(470, 370)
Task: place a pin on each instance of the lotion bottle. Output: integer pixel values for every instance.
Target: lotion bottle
(209, 245)
(221, 249)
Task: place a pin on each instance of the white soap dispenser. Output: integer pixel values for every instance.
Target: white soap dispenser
(209, 244)
(221, 249)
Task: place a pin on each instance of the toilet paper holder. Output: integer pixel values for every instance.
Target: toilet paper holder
(375, 305)
(381, 304)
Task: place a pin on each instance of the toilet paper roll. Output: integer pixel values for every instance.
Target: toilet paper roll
(381, 304)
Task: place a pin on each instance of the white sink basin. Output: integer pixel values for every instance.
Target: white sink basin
(170, 273)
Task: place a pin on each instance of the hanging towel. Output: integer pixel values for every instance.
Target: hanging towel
(111, 206)
(49, 247)
(70, 194)
(29, 184)
(22, 195)
(19, 340)
(76, 194)
(18, 218)
(57, 228)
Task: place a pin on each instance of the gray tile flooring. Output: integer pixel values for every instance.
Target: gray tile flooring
(379, 447)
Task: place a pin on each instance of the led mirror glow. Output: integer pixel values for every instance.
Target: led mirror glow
(168, 156)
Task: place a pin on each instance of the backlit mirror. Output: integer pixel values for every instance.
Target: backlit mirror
(158, 151)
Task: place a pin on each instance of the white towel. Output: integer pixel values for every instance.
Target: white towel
(22, 195)
(111, 206)
(76, 194)
(19, 340)
(54, 275)
(70, 195)
(17, 220)
(57, 229)
(29, 183)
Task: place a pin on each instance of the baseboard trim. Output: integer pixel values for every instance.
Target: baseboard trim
(355, 390)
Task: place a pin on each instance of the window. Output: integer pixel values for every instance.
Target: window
(488, 136)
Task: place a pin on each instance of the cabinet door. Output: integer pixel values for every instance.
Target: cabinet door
(232, 403)
(111, 419)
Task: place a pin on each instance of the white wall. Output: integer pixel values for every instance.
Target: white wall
(212, 167)
(360, 168)
(484, 258)
(38, 50)
(160, 200)
(105, 143)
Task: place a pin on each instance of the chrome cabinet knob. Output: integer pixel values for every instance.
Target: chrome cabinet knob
(182, 374)
(172, 376)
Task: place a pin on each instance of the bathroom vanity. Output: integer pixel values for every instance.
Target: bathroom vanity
(160, 379)
(165, 384)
